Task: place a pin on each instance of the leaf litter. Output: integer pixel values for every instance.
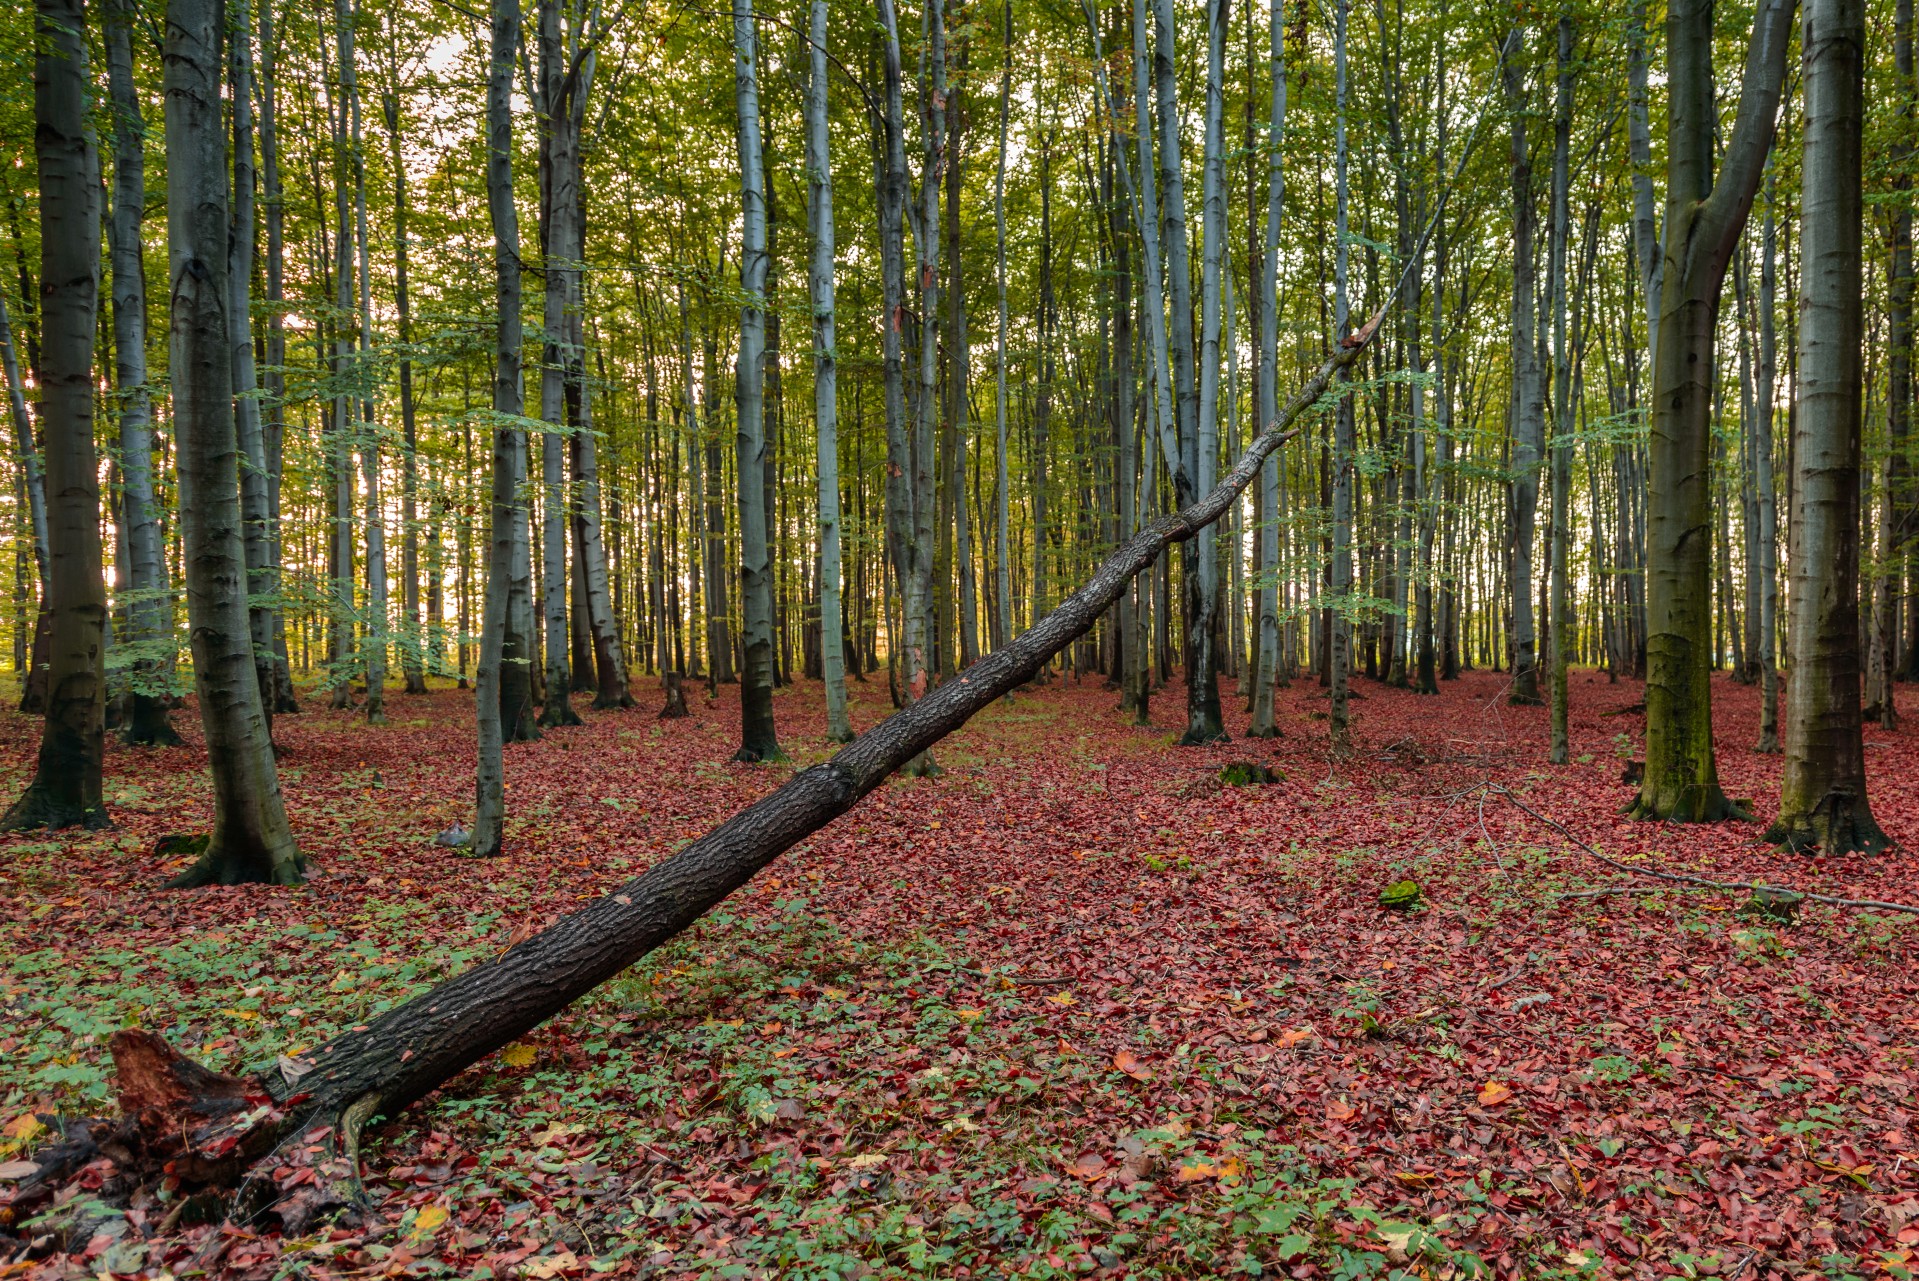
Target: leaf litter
(1070, 1009)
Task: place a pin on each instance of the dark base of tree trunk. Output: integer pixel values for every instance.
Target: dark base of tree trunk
(1768, 744)
(341, 699)
(606, 701)
(1691, 804)
(147, 724)
(415, 683)
(675, 697)
(229, 863)
(376, 711)
(921, 766)
(1840, 823)
(557, 711)
(1264, 731)
(44, 806)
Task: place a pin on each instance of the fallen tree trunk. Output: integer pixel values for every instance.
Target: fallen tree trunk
(179, 1114)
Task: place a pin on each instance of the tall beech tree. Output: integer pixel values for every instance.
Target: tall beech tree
(502, 693)
(819, 209)
(1823, 802)
(251, 840)
(142, 563)
(65, 790)
(758, 740)
(1705, 214)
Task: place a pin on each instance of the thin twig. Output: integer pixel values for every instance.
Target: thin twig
(1619, 889)
(1684, 878)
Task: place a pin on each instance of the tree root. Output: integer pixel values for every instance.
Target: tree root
(1841, 823)
(38, 807)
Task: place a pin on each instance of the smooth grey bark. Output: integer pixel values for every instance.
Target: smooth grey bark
(611, 688)
(891, 200)
(1765, 489)
(1205, 720)
(594, 580)
(1002, 567)
(273, 424)
(375, 628)
(1823, 804)
(1645, 216)
(1528, 405)
(758, 740)
(413, 639)
(559, 191)
(1704, 219)
(345, 372)
(149, 611)
(256, 513)
(719, 615)
(1345, 447)
(1039, 445)
(1267, 660)
(1895, 532)
(1560, 617)
(251, 840)
(819, 208)
(918, 673)
(501, 699)
(65, 790)
(959, 363)
(25, 449)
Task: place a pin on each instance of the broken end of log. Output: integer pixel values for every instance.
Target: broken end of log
(183, 1118)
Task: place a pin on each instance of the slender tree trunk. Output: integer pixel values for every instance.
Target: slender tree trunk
(1560, 614)
(926, 241)
(1763, 485)
(819, 205)
(345, 369)
(413, 643)
(1345, 446)
(501, 697)
(1897, 514)
(66, 787)
(150, 613)
(1002, 569)
(1205, 722)
(758, 741)
(1823, 803)
(250, 840)
(1528, 386)
(273, 425)
(255, 506)
(558, 192)
(959, 361)
(1704, 219)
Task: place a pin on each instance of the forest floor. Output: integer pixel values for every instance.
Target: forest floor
(1073, 1008)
